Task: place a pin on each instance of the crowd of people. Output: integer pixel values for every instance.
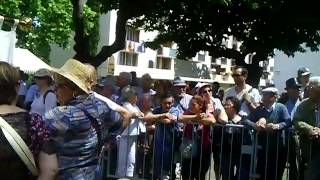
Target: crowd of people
(78, 127)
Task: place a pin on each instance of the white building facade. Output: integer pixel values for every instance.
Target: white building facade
(160, 64)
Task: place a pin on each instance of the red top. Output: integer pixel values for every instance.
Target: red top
(202, 131)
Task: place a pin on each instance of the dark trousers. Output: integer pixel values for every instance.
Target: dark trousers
(144, 156)
(271, 161)
(197, 167)
(312, 171)
(110, 160)
(293, 160)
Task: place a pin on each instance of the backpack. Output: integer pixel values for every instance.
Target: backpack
(28, 104)
(45, 95)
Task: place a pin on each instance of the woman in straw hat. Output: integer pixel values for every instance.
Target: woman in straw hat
(29, 127)
(74, 125)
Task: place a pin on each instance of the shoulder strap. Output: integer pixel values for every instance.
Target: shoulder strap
(96, 126)
(19, 146)
(45, 95)
(184, 109)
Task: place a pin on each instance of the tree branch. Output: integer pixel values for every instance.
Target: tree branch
(217, 52)
(81, 46)
(118, 44)
(127, 9)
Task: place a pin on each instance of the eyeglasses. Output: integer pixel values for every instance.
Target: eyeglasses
(207, 91)
(228, 105)
(235, 75)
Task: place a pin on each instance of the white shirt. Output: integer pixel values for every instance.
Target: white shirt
(183, 104)
(112, 105)
(38, 106)
(136, 125)
(271, 108)
(254, 94)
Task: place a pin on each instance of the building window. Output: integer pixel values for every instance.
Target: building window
(128, 59)
(201, 57)
(163, 63)
(265, 76)
(133, 35)
(271, 69)
(218, 69)
(224, 61)
(160, 51)
(233, 62)
(151, 64)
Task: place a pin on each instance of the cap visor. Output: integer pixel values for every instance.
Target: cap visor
(305, 73)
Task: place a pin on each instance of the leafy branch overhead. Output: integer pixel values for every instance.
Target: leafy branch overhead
(261, 26)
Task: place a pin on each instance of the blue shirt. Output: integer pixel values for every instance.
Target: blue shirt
(292, 106)
(31, 93)
(164, 143)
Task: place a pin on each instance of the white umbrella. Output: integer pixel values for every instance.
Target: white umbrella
(27, 61)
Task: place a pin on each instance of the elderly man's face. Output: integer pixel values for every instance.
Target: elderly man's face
(304, 79)
(293, 92)
(180, 91)
(314, 92)
(268, 98)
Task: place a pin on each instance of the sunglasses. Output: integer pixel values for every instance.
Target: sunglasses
(207, 91)
(235, 75)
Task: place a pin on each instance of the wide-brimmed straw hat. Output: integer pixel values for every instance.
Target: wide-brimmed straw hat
(77, 73)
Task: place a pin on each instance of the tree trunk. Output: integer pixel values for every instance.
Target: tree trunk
(127, 9)
(255, 71)
(81, 46)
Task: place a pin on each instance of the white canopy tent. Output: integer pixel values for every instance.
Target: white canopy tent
(27, 61)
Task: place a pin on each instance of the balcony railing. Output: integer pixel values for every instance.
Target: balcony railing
(167, 52)
(136, 47)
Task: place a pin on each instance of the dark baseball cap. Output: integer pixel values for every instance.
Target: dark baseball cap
(304, 71)
(292, 84)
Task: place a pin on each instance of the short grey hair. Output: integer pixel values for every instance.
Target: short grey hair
(127, 92)
(315, 80)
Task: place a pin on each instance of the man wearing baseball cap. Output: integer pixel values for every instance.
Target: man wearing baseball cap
(182, 99)
(271, 119)
(292, 100)
(293, 95)
(303, 79)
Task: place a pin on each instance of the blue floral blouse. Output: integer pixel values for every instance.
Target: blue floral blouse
(74, 138)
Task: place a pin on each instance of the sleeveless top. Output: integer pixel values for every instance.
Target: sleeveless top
(31, 128)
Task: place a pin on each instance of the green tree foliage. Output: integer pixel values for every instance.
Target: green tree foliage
(261, 26)
(52, 23)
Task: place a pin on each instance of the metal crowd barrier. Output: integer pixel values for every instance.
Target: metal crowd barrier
(235, 152)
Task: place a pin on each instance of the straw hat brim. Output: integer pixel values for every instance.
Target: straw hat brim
(77, 81)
